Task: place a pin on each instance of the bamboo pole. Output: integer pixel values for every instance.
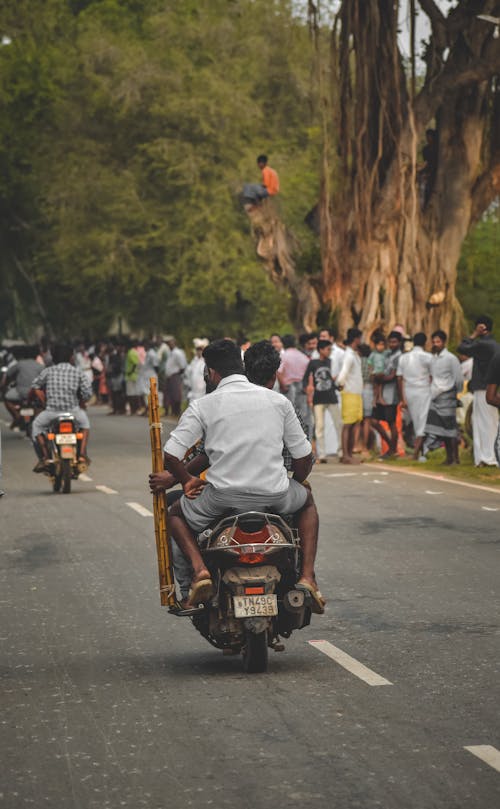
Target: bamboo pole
(165, 571)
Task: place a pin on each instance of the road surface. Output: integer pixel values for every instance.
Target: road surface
(390, 700)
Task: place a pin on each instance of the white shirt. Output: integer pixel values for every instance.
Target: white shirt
(415, 368)
(446, 373)
(176, 362)
(336, 360)
(195, 378)
(244, 427)
(350, 376)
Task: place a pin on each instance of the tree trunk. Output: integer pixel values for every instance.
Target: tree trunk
(389, 257)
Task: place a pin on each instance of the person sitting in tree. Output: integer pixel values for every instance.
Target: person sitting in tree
(254, 193)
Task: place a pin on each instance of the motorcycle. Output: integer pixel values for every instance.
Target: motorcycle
(64, 442)
(25, 415)
(253, 559)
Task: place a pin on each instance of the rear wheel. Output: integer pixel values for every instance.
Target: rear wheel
(255, 655)
(56, 482)
(66, 476)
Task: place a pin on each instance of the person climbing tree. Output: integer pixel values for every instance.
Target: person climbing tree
(253, 193)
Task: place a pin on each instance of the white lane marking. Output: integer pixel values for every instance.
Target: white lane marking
(374, 473)
(106, 490)
(341, 475)
(85, 478)
(487, 508)
(442, 479)
(487, 753)
(377, 481)
(349, 663)
(428, 491)
(144, 512)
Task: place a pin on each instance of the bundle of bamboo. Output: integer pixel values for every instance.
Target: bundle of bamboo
(166, 576)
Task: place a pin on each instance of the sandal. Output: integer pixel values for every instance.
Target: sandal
(318, 602)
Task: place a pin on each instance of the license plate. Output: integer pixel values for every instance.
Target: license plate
(27, 411)
(248, 606)
(66, 439)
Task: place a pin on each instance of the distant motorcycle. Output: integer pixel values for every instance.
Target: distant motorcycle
(253, 559)
(64, 442)
(25, 414)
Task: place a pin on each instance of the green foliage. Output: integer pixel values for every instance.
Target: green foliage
(127, 131)
(478, 286)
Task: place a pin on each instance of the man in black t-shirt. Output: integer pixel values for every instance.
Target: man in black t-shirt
(493, 393)
(320, 389)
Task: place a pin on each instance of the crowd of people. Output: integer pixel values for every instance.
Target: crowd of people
(355, 398)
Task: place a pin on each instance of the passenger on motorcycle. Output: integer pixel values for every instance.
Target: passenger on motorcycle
(65, 389)
(244, 428)
(20, 376)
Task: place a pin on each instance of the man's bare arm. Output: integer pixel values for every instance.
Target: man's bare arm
(301, 467)
(493, 395)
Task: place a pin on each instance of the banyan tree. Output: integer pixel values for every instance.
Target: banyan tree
(391, 222)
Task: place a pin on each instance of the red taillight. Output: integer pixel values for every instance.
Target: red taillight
(252, 558)
(254, 591)
(65, 426)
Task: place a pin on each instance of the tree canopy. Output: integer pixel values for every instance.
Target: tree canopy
(127, 131)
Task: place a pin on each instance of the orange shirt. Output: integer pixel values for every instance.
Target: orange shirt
(270, 180)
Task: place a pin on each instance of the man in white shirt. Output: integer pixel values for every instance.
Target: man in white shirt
(447, 382)
(244, 427)
(350, 382)
(174, 369)
(414, 384)
(195, 371)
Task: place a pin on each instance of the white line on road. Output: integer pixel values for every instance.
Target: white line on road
(144, 512)
(341, 475)
(106, 490)
(85, 478)
(442, 479)
(428, 491)
(349, 663)
(488, 508)
(487, 753)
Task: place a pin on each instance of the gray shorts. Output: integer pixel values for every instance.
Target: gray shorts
(42, 422)
(211, 503)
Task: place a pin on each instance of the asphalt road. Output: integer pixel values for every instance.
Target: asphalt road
(107, 701)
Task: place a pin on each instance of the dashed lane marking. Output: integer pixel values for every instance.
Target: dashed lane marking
(106, 490)
(487, 753)
(341, 475)
(349, 663)
(428, 491)
(85, 478)
(144, 512)
(488, 508)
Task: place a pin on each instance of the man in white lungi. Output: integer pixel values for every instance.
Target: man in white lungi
(414, 383)
(481, 346)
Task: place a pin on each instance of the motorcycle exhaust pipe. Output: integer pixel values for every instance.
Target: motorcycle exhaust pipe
(294, 600)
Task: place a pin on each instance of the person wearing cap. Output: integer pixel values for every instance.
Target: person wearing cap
(195, 371)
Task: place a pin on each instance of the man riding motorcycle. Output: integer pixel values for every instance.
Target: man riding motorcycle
(65, 388)
(244, 427)
(20, 376)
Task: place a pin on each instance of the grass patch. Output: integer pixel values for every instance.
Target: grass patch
(489, 476)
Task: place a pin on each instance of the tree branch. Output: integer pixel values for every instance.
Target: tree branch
(485, 190)
(435, 15)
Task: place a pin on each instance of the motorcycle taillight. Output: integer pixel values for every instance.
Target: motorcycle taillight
(65, 426)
